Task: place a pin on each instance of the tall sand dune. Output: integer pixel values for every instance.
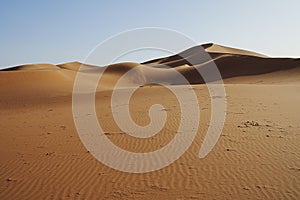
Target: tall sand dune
(256, 157)
(229, 61)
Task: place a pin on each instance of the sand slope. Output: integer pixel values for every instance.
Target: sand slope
(257, 156)
(230, 62)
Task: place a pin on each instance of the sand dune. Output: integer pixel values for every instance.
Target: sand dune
(256, 157)
(229, 61)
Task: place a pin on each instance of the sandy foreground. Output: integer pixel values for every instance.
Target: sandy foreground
(256, 157)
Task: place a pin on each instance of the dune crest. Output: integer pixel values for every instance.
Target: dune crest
(230, 62)
(215, 48)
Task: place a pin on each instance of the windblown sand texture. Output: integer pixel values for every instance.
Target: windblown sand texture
(256, 157)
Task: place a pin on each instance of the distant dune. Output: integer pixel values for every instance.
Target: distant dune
(230, 62)
(256, 157)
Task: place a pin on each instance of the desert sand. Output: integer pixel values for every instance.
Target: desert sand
(256, 157)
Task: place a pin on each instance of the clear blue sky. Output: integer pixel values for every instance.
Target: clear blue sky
(61, 31)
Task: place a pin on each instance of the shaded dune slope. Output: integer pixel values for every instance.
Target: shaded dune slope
(229, 61)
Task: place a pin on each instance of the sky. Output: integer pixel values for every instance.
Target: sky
(60, 31)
